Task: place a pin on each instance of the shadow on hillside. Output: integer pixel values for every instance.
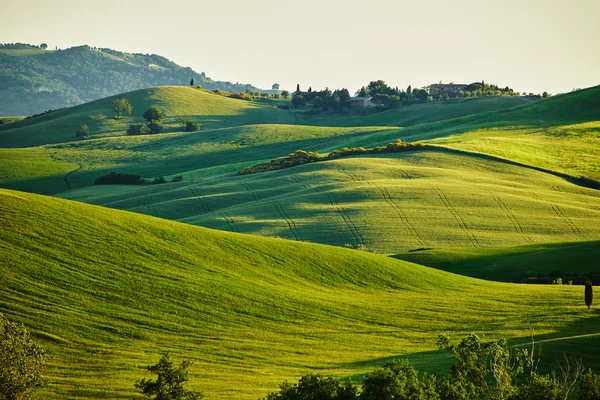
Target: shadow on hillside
(578, 340)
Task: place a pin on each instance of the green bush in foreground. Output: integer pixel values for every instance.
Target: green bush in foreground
(138, 129)
(191, 126)
(169, 382)
(482, 370)
(21, 360)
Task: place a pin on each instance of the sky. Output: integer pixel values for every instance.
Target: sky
(529, 45)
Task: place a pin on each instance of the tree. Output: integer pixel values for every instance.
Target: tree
(285, 94)
(298, 88)
(169, 382)
(298, 100)
(545, 95)
(121, 106)
(43, 46)
(409, 89)
(192, 82)
(154, 114)
(21, 360)
(82, 132)
(275, 86)
(589, 294)
(381, 100)
(490, 366)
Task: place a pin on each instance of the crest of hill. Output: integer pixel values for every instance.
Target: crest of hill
(209, 109)
(32, 81)
(249, 311)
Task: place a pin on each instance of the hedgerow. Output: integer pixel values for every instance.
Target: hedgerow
(300, 157)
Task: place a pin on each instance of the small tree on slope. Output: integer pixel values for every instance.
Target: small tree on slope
(589, 294)
(169, 383)
(21, 360)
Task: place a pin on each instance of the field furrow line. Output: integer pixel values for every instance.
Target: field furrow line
(351, 227)
(230, 223)
(197, 195)
(401, 214)
(279, 210)
(300, 182)
(254, 194)
(567, 220)
(291, 221)
(457, 217)
(515, 222)
(535, 196)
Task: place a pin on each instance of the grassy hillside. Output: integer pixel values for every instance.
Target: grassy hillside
(209, 109)
(543, 262)
(107, 292)
(388, 203)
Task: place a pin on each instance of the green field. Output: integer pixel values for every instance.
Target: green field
(107, 292)
(108, 289)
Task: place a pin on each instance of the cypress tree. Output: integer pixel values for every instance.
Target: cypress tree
(192, 82)
(589, 294)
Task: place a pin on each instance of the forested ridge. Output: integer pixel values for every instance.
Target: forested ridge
(35, 81)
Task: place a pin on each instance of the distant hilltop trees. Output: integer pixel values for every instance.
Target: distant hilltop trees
(21, 46)
(381, 95)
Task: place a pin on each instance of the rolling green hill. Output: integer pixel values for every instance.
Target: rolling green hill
(384, 203)
(531, 263)
(34, 80)
(107, 292)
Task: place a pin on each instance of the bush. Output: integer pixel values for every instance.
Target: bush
(158, 180)
(169, 382)
(315, 387)
(138, 129)
(178, 178)
(82, 132)
(154, 114)
(155, 127)
(119, 179)
(21, 360)
(191, 126)
(589, 386)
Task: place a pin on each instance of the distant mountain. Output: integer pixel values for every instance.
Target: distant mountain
(33, 80)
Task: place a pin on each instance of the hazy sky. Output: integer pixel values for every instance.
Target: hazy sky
(530, 45)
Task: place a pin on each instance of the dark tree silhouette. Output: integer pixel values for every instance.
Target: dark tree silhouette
(589, 294)
(192, 82)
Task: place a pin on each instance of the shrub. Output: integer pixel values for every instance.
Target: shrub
(154, 127)
(138, 129)
(589, 386)
(178, 178)
(158, 180)
(119, 179)
(169, 382)
(191, 126)
(21, 360)
(154, 114)
(82, 132)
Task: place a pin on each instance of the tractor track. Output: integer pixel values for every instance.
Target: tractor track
(289, 221)
(400, 212)
(457, 217)
(230, 222)
(567, 220)
(202, 199)
(253, 192)
(357, 236)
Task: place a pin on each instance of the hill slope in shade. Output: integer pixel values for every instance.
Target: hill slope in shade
(531, 263)
(32, 81)
(107, 292)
